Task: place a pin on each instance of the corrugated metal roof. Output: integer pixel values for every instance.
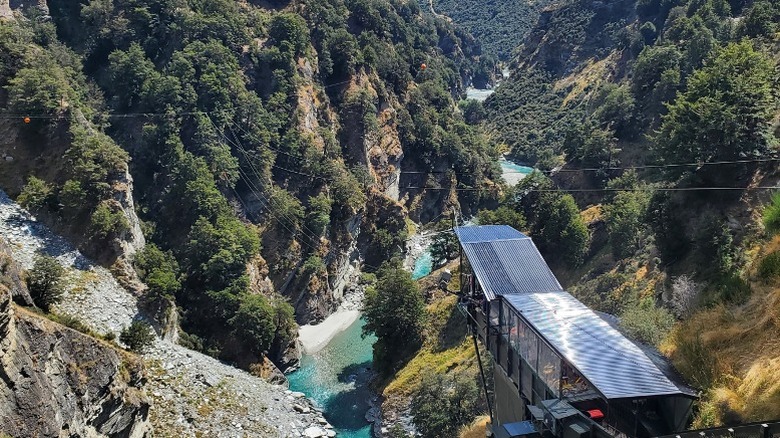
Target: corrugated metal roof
(505, 261)
(487, 233)
(606, 358)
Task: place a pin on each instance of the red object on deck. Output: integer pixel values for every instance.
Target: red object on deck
(595, 414)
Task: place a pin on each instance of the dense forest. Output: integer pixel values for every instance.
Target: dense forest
(261, 144)
(498, 26)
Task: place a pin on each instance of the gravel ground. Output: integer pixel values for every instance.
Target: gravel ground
(192, 394)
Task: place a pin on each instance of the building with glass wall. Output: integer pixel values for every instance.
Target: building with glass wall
(561, 368)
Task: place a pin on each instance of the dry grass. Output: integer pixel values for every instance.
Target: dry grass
(593, 213)
(586, 79)
(476, 429)
(734, 352)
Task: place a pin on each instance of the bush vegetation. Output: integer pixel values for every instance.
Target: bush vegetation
(769, 267)
(771, 216)
(509, 22)
(138, 336)
(46, 281)
(444, 403)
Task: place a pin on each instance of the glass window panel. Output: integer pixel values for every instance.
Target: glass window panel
(514, 334)
(573, 383)
(528, 343)
(549, 367)
(527, 377)
(507, 321)
(494, 309)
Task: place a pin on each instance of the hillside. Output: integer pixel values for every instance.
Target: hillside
(659, 120)
(248, 154)
(498, 26)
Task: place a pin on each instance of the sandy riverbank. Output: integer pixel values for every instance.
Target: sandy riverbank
(315, 337)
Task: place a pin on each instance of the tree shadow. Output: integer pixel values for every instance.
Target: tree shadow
(453, 332)
(347, 410)
(359, 373)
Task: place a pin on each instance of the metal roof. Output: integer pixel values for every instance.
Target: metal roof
(614, 365)
(505, 261)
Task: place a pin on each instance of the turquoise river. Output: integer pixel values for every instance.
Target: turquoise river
(337, 376)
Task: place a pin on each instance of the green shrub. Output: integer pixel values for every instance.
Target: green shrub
(108, 220)
(735, 290)
(772, 215)
(367, 278)
(71, 321)
(138, 336)
(45, 281)
(73, 196)
(313, 265)
(647, 322)
(35, 195)
(769, 267)
(443, 404)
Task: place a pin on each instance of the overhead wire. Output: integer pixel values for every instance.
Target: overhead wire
(287, 223)
(257, 174)
(648, 189)
(409, 172)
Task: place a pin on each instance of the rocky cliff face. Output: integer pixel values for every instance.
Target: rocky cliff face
(5, 9)
(127, 244)
(57, 382)
(190, 394)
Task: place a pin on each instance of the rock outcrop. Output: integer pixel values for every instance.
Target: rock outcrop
(128, 243)
(5, 9)
(57, 382)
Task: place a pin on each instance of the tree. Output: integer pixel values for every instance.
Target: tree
(135, 72)
(45, 281)
(318, 214)
(41, 87)
(159, 270)
(108, 220)
(290, 31)
(444, 403)
(254, 323)
(138, 336)
(36, 194)
(395, 312)
(560, 231)
(650, 66)
(444, 247)
(625, 217)
(760, 20)
(726, 113)
(503, 215)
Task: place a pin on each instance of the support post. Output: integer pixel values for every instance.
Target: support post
(482, 374)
